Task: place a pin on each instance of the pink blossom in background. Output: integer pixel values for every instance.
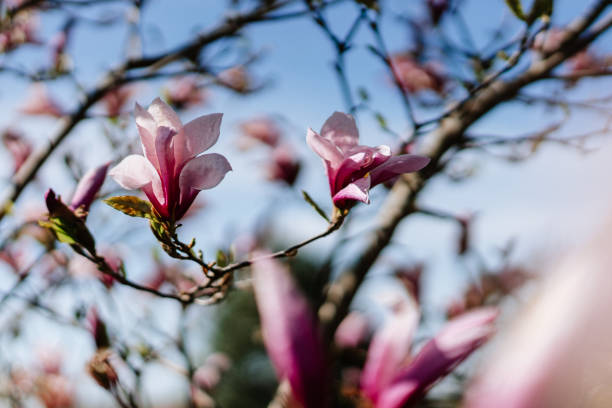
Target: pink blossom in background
(172, 171)
(115, 100)
(352, 331)
(263, 129)
(438, 357)
(290, 333)
(284, 165)
(39, 102)
(352, 169)
(556, 353)
(184, 93)
(18, 146)
(416, 77)
(236, 78)
(87, 188)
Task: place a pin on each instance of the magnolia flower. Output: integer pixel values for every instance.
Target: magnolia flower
(390, 378)
(183, 93)
(262, 129)
(115, 99)
(19, 147)
(172, 172)
(414, 76)
(283, 165)
(39, 102)
(290, 334)
(353, 169)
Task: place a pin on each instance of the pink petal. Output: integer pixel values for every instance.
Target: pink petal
(204, 172)
(389, 349)
(164, 115)
(147, 129)
(198, 135)
(341, 130)
(165, 157)
(290, 334)
(133, 172)
(362, 159)
(88, 187)
(324, 148)
(406, 163)
(457, 340)
(352, 331)
(355, 191)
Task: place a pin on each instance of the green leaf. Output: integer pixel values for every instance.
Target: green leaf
(69, 229)
(131, 205)
(222, 258)
(381, 120)
(516, 8)
(314, 205)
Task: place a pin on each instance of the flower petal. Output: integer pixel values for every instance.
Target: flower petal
(164, 115)
(389, 349)
(88, 187)
(147, 129)
(341, 130)
(289, 331)
(457, 340)
(406, 163)
(199, 135)
(324, 148)
(362, 159)
(133, 172)
(204, 172)
(355, 191)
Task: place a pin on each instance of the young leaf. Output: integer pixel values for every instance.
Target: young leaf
(516, 8)
(130, 205)
(314, 205)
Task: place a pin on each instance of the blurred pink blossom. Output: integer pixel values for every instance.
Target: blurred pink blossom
(262, 129)
(415, 77)
(352, 169)
(290, 333)
(38, 102)
(352, 331)
(116, 99)
(184, 93)
(19, 147)
(172, 172)
(284, 165)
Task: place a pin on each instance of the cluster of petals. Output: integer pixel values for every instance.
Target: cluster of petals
(352, 169)
(415, 77)
(391, 377)
(172, 171)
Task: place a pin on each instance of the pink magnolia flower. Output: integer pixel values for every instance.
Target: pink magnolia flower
(115, 99)
(290, 333)
(440, 355)
(19, 147)
(183, 93)
(39, 102)
(172, 172)
(262, 129)
(415, 77)
(284, 165)
(353, 169)
(88, 187)
(352, 331)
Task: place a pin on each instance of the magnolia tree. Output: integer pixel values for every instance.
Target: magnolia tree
(266, 294)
